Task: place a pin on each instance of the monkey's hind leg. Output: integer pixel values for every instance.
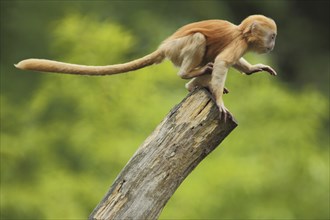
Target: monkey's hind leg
(192, 54)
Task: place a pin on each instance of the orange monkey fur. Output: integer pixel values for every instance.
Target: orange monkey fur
(203, 50)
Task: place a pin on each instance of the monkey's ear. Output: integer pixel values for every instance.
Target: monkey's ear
(254, 27)
(251, 29)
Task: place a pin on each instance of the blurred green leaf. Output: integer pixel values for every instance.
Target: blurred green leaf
(64, 138)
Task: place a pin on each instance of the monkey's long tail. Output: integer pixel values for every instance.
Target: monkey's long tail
(60, 67)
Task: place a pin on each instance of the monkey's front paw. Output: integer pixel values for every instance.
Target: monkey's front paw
(270, 70)
(224, 113)
(262, 67)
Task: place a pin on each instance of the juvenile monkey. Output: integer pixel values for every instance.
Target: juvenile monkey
(203, 50)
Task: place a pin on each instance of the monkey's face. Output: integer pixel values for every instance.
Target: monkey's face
(269, 41)
(266, 40)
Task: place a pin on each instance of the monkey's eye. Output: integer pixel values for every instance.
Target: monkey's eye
(273, 36)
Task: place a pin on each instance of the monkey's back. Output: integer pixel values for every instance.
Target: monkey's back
(218, 34)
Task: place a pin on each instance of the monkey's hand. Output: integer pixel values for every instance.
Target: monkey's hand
(224, 113)
(261, 67)
(221, 106)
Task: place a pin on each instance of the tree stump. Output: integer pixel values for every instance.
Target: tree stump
(181, 141)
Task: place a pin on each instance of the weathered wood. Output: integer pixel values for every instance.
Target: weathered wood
(180, 142)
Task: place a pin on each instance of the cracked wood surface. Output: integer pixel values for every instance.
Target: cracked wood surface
(180, 142)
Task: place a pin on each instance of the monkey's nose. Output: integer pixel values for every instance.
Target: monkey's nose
(269, 49)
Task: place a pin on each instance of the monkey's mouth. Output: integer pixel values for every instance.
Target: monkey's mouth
(267, 49)
(264, 50)
(271, 48)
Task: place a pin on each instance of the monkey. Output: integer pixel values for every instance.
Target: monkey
(203, 51)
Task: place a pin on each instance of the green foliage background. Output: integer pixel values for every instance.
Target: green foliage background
(64, 138)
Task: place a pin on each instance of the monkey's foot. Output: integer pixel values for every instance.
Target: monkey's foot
(207, 69)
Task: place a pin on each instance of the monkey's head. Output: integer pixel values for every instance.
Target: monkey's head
(259, 32)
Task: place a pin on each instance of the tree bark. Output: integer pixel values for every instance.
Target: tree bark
(181, 141)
